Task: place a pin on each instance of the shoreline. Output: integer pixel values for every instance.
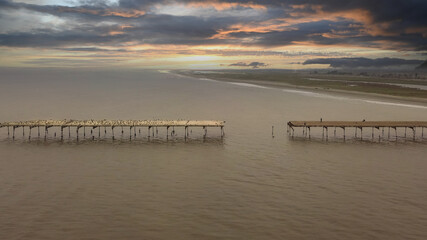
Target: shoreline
(280, 85)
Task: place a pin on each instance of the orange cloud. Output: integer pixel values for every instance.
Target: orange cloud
(103, 12)
(126, 14)
(359, 15)
(224, 5)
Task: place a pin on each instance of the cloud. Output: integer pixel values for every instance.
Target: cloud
(66, 62)
(363, 62)
(272, 26)
(91, 49)
(391, 24)
(252, 64)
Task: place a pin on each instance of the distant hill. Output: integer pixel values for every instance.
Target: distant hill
(423, 66)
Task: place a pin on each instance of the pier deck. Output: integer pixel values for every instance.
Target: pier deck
(358, 124)
(113, 123)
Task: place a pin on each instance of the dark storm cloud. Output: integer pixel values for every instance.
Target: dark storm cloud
(51, 38)
(88, 12)
(333, 33)
(363, 62)
(403, 24)
(252, 64)
(152, 29)
(64, 62)
(311, 32)
(381, 10)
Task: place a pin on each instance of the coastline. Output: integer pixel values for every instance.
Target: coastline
(281, 85)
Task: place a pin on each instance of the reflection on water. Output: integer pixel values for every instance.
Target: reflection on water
(115, 141)
(246, 185)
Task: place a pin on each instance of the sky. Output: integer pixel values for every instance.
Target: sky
(213, 34)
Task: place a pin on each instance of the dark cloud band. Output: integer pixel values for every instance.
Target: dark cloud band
(363, 62)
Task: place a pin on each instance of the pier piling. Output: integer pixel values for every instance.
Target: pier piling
(272, 131)
(93, 124)
(380, 125)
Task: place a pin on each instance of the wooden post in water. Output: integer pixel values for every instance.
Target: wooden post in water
(379, 133)
(413, 130)
(327, 133)
(272, 131)
(344, 132)
(395, 132)
(167, 132)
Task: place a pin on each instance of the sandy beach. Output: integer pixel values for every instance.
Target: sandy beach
(315, 89)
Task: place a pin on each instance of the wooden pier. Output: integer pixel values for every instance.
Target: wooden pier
(358, 126)
(151, 125)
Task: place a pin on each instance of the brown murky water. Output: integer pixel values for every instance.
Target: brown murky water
(245, 186)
